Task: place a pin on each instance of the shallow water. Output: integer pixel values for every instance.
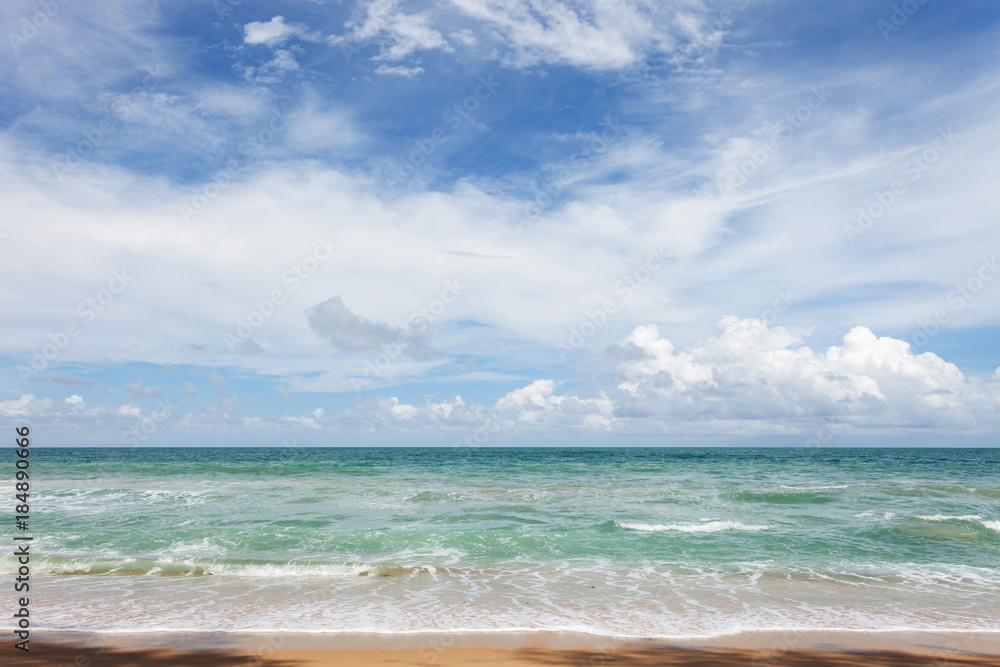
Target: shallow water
(633, 542)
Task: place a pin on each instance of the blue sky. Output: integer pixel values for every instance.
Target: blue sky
(534, 222)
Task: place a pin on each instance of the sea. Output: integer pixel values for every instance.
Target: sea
(624, 542)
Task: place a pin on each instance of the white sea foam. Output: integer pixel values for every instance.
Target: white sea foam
(290, 569)
(946, 517)
(167, 566)
(814, 488)
(524, 596)
(707, 527)
(992, 525)
(873, 514)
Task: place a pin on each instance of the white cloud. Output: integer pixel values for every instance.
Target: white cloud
(758, 379)
(321, 129)
(782, 229)
(304, 421)
(234, 247)
(272, 33)
(283, 60)
(399, 34)
(398, 410)
(399, 70)
(597, 34)
(273, 70)
(536, 406)
(25, 406)
(767, 376)
(455, 415)
(594, 34)
(275, 33)
(411, 33)
(465, 36)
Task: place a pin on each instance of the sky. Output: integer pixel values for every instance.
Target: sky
(478, 223)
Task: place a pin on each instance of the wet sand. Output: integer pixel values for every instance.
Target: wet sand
(762, 649)
(154, 657)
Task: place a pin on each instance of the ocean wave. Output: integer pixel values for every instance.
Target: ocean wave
(992, 525)
(290, 569)
(168, 567)
(706, 527)
(814, 488)
(946, 517)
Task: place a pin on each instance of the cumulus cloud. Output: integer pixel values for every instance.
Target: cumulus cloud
(754, 373)
(758, 379)
(25, 406)
(536, 405)
(309, 421)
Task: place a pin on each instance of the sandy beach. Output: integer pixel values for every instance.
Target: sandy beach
(840, 649)
(60, 655)
(63, 655)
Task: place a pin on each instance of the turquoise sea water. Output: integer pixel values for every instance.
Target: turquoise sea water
(650, 542)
